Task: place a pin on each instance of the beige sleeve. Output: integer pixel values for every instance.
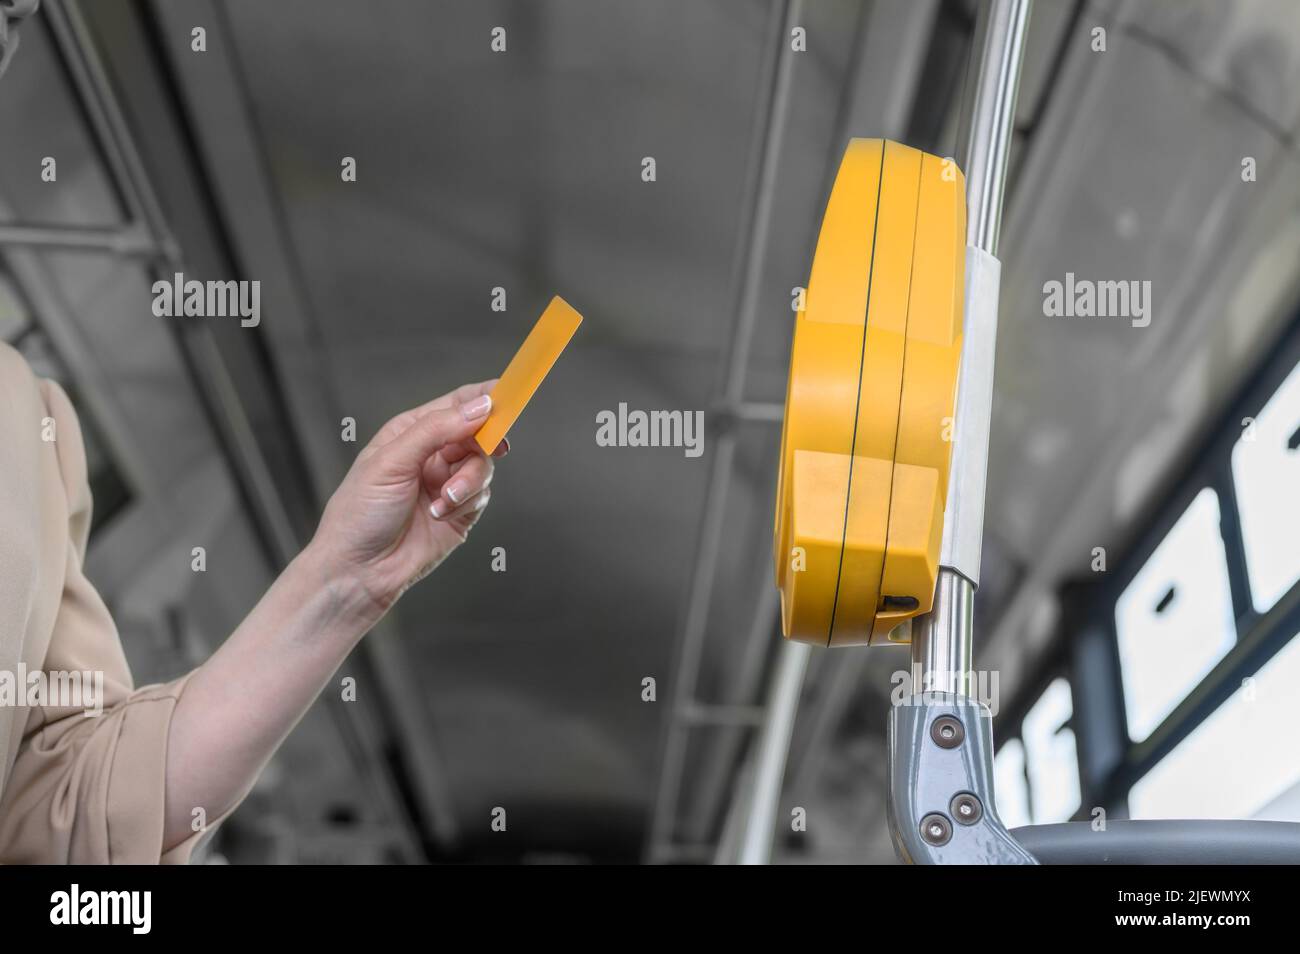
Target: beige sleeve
(86, 789)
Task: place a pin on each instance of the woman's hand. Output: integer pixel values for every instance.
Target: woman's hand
(410, 498)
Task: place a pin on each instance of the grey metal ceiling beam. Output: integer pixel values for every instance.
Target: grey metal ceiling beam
(719, 765)
(212, 89)
(222, 398)
(753, 247)
(130, 242)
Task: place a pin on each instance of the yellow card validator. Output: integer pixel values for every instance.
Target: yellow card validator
(527, 369)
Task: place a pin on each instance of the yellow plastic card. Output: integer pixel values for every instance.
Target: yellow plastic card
(527, 369)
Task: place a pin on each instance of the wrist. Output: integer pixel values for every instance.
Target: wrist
(347, 598)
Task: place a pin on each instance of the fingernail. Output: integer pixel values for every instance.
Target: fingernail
(438, 508)
(455, 491)
(477, 408)
(481, 502)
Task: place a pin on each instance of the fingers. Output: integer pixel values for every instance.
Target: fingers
(407, 452)
(462, 395)
(467, 478)
(454, 452)
(399, 424)
(467, 512)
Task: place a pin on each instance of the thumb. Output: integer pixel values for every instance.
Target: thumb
(408, 451)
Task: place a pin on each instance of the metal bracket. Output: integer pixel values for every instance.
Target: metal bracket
(940, 799)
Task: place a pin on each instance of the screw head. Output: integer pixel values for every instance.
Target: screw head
(947, 732)
(966, 808)
(936, 829)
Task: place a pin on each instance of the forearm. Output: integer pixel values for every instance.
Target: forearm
(409, 499)
(239, 705)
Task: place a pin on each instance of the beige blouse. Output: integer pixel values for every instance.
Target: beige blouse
(73, 788)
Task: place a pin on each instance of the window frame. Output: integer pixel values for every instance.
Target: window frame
(1087, 654)
(1056, 664)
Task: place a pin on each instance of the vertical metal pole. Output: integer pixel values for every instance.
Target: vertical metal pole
(990, 116)
(941, 641)
(773, 747)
